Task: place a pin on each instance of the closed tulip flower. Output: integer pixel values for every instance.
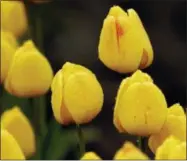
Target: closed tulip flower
(30, 73)
(175, 125)
(172, 148)
(77, 96)
(17, 124)
(10, 149)
(129, 151)
(8, 49)
(13, 17)
(90, 156)
(140, 107)
(124, 45)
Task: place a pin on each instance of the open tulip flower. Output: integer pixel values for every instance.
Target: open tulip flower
(124, 45)
(8, 49)
(10, 149)
(172, 148)
(30, 73)
(140, 107)
(77, 96)
(175, 125)
(90, 156)
(13, 17)
(17, 124)
(129, 151)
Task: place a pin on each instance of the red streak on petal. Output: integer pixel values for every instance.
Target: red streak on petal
(119, 31)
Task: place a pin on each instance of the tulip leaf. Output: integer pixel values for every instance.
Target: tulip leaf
(61, 140)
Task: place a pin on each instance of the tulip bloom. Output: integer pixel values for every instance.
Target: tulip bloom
(77, 96)
(129, 151)
(90, 156)
(10, 149)
(172, 148)
(175, 125)
(124, 45)
(13, 17)
(8, 49)
(17, 124)
(140, 107)
(30, 73)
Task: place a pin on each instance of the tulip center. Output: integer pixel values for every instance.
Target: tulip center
(119, 31)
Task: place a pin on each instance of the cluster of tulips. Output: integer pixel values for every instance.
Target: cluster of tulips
(77, 97)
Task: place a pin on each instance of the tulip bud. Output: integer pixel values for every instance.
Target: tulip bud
(172, 148)
(30, 73)
(175, 125)
(124, 45)
(77, 96)
(129, 151)
(17, 124)
(8, 49)
(90, 156)
(13, 17)
(140, 107)
(10, 149)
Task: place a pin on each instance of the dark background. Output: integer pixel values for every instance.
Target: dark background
(71, 33)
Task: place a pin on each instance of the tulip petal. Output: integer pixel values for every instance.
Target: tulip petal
(143, 109)
(147, 52)
(8, 49)
(129, 151)
(30, 73)
(123, 87)
(15, 122)
(171, 148)
(179, 152)
(176, 110)
(175, 125)
(60, 112)
(117, 11)
(10, 149)
(90, 156)
(108, 42)
(83, 96)
(13, 17)
(13, 12)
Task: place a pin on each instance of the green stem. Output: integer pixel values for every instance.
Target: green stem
(139, 142)
(81, 140)
(39, 105)
(39, 32)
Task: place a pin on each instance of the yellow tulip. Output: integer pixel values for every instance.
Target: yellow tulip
(129, 151)
(172, 148)
(17, 124)
(30, 73)
(124, 45)
(175, 125)
(10, 149)
(13, 17)
(90, 156)
(77, 96)
(8, 49)
(140, 107)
